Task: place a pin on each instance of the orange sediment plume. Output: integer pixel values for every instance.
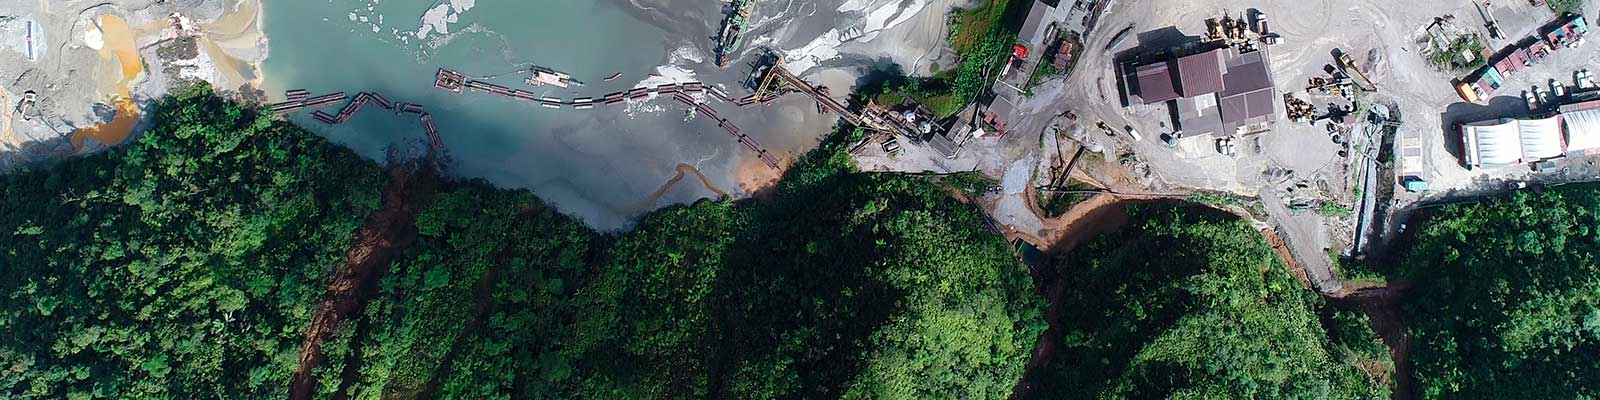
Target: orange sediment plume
(120, 48)
(114, 132)
(683, 170)
(757, 179)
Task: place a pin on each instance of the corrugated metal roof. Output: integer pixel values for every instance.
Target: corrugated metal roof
(1579, 106)
(1249, 90)
(1248, 77)
(1411, 156)
(1262, 103)
(1240, 109)
(1493, 76)
(1510, 141)
(1507, 65)
(1583, 129)
(1198, 115)
(1155, 83)
(1493, 144)
(1518, 59)
(1485, 85)
(942, 144)
(1031, 27)
(1235, 109)
(1541, 138)
(1200, 73)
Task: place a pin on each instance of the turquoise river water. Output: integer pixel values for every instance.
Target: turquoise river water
(596, 164)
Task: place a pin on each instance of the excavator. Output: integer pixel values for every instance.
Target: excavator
(23, 107)
(28, 98)
(1348, 64)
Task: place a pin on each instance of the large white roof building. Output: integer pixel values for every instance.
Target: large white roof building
(1509, 141)
(1575, 128)
(1583, 129)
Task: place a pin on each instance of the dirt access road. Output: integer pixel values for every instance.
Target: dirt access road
(384, 235)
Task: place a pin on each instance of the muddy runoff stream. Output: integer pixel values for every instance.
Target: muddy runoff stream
(119, 55)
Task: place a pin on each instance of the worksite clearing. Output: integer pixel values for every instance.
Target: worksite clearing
(1352, 87)
(76, 73)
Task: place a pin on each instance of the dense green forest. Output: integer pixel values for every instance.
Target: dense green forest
(189, 264)
(1191, 303)
(184, 265)
(888, 290)
(1505, 297)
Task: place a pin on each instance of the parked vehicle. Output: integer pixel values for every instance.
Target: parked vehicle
(891, 147)
(1105, 128)
(1225, 146)
(1133, 132)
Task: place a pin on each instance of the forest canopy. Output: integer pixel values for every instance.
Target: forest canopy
(183, 265)
(1505, 298)
(189, 264)
(1188, 302)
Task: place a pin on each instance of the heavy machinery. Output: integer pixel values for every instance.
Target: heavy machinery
(1242, 32)
(732, 33)
(1298, 110)
(26, 105)
(1267, 37)
(1348, 64)
(1489, 21)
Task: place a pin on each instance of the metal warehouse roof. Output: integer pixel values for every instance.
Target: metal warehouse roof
(1510, 141)
(1583, 129)
(1248, 89)
(1200, 73)
(1155, 83)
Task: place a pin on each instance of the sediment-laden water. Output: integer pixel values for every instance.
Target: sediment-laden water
(598, 164)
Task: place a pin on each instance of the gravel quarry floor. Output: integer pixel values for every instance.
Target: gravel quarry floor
(76, 58)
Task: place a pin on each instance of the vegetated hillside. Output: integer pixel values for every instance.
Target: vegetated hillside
(184, 265)
(476, 306)
(188, 265)
(1191, 303)
(843, 285)
(1505, 302)
(846, 285)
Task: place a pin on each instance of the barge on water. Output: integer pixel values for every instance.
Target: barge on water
(539, 76)
(733, 30)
